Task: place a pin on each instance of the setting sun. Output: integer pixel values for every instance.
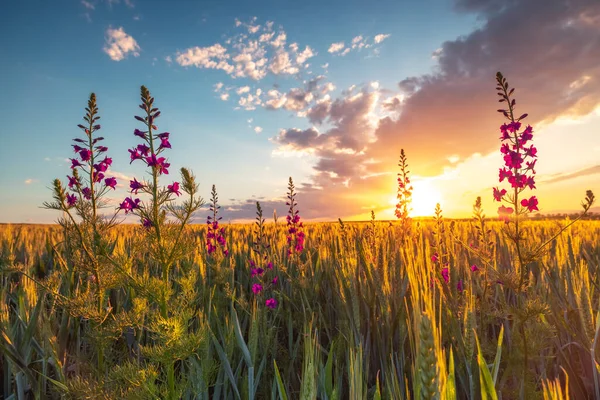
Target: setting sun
(425, 197)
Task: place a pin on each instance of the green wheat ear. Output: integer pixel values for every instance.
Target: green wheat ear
(427, 360)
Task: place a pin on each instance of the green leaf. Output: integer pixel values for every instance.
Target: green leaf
(280, 387)
(496, 367)
(329, 372)
(485, 378)
(451, 381)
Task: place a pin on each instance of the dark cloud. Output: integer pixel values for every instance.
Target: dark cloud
(547, 49)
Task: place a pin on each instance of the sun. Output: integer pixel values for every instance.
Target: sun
(424, 198)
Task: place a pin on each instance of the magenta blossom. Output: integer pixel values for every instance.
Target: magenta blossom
(174, 188)
(146, 223)
(474, 268)
(143, 149)
(87, 193)
(85, 155)
(271, 303)
(459, 286)
(446, 274)
(159, 163)
(75, 163)
(257, 288)
(498, 194)
(134, 185)
(111, 183)
(139, 133)
(73, 181)
(134, 155)
(164, 144)
(530, 203)
(129, 204)
(71, 200)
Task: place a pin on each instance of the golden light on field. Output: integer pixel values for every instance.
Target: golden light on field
(424, 198)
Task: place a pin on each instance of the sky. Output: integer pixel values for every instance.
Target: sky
(325, 92)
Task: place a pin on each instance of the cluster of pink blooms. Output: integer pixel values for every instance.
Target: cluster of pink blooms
(520, 157)
(519, 166)
(86, 162)
(258, 288)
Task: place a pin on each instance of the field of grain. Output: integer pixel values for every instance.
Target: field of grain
(365, 310)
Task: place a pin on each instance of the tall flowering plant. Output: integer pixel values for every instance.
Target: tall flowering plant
(84, 197)
(167, 243)
(404, 195)
(86, 240)
(520, 157)
(215, 237)
(295, 235)
(263, 277)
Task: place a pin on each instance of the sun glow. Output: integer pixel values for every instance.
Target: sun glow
(424, 198)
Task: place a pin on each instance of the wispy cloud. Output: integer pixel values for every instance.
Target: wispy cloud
(119, 44)
(88, 5)
(29, 181)
(571, 175)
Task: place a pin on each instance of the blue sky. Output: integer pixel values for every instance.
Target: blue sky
(234, 79)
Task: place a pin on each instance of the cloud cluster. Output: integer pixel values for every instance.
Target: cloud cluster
(252, 54)
(358, 43)
(119, 44)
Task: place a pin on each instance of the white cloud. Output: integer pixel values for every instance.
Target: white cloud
(119, 44)
(335, 47)
(168, 59)
(281, 64)
(279, 40)
(258, 129)
(381, 37)
(265, 37)
(224, 96)
(213, 57)
(29, 181)
(218, 86)
(243, 89)
(305, 55)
